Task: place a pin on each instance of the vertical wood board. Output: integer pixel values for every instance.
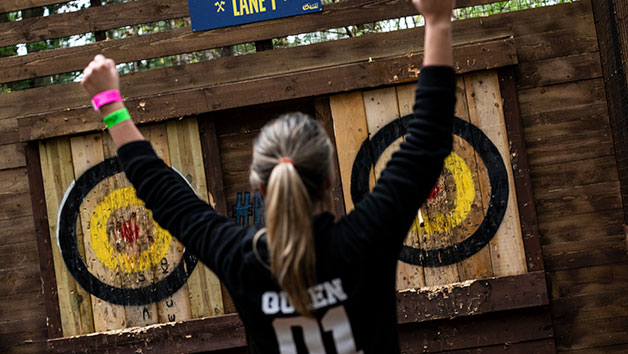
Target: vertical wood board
(57, 174)
(471, 218)
(119, 244)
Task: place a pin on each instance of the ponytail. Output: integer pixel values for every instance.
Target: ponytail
(289, 227)
(291, 189)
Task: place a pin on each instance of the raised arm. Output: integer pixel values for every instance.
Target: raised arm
(101, 76)
(382, 218)
(437, 14)
(174, 205)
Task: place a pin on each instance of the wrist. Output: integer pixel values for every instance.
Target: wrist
(105, 97)
(438, 23)
(117, 117)
(110, 108)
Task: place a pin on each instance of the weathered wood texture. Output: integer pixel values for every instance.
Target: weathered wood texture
(470, 298)
(317, 78)
(14, 5)
(112, 217)
(23, 322)
(462, 195)
(613, 39)
(575, 183)
(571, 159)
(173, 41)
(544, 44)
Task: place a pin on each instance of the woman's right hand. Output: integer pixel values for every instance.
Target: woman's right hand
(435, 11)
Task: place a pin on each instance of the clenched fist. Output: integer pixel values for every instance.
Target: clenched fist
(435, 10)
(100, 75)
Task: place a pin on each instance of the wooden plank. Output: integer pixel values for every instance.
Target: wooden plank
(213, 165)
(13, 181)
(580, 146)
(472, 297)
(30, 341)
(15, 205)
(168, 79)
(215, 185)
(44, 247)
(134, 315)
(601, 305)
(476, 331)
(547, 346)
(223, 332)
(521, 170)
(575, 32)
(19, 255)
(23, 306)
(8, 128)
(382, 107)
(567, 121)
(591, 333)
(57, 174)
(208, 334)
(119, 15)
(90, 20)
(289, 86)
(479, 265)
(149, 313)
(15, 5)
(12, 156)
(607, 349)
(575, 173)
(587, 226)
(185, 149)
(572, 34)
(408, 276)
(579, 200)
(599, 251)
(574, 94)
(486, 112)
(22, 226)
(28, 325)
(324, 117)
(559, 70)
(589, 280)
(19, 280)
(350, 129)
(87, 151)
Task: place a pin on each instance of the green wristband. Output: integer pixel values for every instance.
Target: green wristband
(116, 117)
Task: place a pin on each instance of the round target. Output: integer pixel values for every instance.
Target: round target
(373, 148)
(116, 240)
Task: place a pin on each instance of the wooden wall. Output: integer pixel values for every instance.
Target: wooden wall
(574, 175)
(575, 181)
(22, 311)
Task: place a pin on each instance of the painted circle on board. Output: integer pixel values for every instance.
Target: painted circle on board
(373, 148)
(120, 239)
(116, 218)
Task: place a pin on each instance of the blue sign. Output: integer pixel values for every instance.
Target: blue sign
(210, 14)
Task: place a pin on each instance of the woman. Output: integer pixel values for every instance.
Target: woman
(304, 284)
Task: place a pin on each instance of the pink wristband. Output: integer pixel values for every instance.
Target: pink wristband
(106, 97)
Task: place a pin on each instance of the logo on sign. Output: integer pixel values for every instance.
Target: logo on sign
(212, 14)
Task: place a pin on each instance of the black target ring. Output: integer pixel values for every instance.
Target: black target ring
(372, 149)
(66, 236)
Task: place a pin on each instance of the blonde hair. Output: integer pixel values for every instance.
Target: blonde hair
(292, 187)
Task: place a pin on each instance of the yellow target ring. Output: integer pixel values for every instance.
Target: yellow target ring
(124, 198)
(465, 194)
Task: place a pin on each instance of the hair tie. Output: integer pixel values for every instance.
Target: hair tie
(286, 159)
